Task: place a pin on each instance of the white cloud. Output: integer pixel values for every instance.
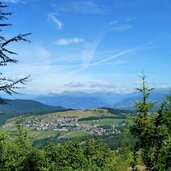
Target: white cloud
(74, 84)
(122, 27)
(97, 86)
(53, 17)
(68, 41)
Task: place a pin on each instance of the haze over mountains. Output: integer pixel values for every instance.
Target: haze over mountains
(82, 100)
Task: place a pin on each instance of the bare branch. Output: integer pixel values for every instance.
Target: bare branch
(10, 85)
(20, 37)
(7, 85)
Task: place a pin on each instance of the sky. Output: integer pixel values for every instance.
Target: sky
(91, 45)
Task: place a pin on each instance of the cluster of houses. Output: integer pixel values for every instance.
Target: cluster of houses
(68, 124)
(96, 129)
(57, 124)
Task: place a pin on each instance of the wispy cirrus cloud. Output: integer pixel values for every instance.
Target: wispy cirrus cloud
(89, 50)
(87, 7)
(130, 18)
(122, 53)
(14, 1)
(122, 27)
(68, 41)
(123, 24)
(55, 20)
(114, 56)
(88, 64)
(118, 62)
(82, 7)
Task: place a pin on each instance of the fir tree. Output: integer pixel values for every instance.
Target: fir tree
(152, 130)
(7, 56)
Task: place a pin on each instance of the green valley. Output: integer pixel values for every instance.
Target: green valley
(69, 125)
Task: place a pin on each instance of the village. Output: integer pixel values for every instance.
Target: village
(69, 124)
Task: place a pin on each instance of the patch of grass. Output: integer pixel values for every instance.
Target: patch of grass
(78, 134)
(82, 113)
(103, 121)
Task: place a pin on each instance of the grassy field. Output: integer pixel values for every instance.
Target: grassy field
(79, 113)
(103, 122)
(71, 135)
(51, 116)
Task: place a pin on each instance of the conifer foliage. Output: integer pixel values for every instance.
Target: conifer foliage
(153, 133)
(7, 56)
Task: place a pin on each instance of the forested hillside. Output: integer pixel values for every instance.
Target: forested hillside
(13, 108)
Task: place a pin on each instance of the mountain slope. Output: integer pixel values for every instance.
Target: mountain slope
(18, 107)
(128, 103)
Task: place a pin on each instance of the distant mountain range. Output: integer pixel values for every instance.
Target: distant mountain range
(128, 103)
(15, 108)
(83, 100)
(74, 100)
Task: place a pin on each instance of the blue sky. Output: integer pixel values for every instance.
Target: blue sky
(91, 45)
